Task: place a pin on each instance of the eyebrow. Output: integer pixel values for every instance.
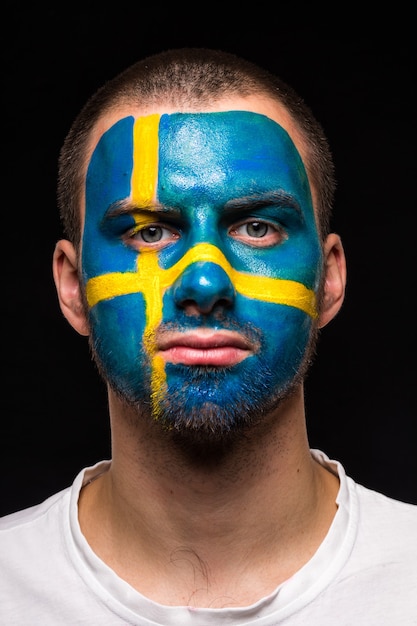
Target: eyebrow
(126, 207)
(245, 203)
(260, 200)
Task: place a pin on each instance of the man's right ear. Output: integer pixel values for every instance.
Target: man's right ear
(67, 283)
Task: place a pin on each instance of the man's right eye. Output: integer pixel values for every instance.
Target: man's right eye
(150, 237)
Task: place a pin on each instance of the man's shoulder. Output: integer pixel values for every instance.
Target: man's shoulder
(387, 524)
(377, 501)
(33, 515)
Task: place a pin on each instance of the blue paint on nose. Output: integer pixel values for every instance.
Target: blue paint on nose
(204, 285)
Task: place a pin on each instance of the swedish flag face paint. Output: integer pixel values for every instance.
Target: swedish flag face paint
(201, 262)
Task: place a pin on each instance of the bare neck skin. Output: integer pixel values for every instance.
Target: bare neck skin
(209, 535)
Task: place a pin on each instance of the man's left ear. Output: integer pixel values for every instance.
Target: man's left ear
(335, 279)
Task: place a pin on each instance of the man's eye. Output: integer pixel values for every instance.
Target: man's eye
(256, 229)
(151, 236)
(258, 233)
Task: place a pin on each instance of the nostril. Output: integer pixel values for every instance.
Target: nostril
(203, 286)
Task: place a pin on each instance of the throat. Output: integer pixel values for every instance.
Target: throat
(209, 547)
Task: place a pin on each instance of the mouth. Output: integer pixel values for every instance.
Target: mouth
(204, 347)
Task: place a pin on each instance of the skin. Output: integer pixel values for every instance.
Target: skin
(203, 338)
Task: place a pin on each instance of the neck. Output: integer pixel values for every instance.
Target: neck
(255, 498)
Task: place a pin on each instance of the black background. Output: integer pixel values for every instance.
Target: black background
(359, 80)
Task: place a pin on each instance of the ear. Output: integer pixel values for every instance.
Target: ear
(334, 280)
(67, 283)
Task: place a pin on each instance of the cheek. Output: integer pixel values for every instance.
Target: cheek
(118, 325)
(289, 330)
(285, 331)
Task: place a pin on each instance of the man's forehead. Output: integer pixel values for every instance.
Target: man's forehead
(267, 108)
(254, 104)
(201, 148)
(184, 158)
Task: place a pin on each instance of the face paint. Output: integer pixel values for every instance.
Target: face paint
(204, 175)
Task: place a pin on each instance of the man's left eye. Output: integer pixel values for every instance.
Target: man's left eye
(258, 233)
(256, 229)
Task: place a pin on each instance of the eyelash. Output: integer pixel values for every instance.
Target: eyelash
(272, 232)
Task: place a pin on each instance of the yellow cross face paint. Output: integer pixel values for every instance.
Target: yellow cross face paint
(185, 208)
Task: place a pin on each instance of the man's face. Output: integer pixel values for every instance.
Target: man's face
(201, 264)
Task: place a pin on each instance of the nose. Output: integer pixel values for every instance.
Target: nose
(202, 287)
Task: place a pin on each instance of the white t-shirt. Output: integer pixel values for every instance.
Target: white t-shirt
(363, 574)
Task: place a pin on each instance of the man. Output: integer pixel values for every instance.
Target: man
(195, 192)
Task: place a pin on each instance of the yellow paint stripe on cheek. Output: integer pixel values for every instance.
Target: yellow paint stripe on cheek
(278, 291)
(145, 159)
(149, 274)
(112, 285)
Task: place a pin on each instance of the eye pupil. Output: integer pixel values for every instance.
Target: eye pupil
(151, 234)
(257, 229)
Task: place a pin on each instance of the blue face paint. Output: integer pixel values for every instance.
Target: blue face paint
(208, 172)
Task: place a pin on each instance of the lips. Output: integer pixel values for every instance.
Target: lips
(204, 348)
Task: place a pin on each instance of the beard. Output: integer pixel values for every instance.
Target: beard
(211, 425)
(205, 415)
